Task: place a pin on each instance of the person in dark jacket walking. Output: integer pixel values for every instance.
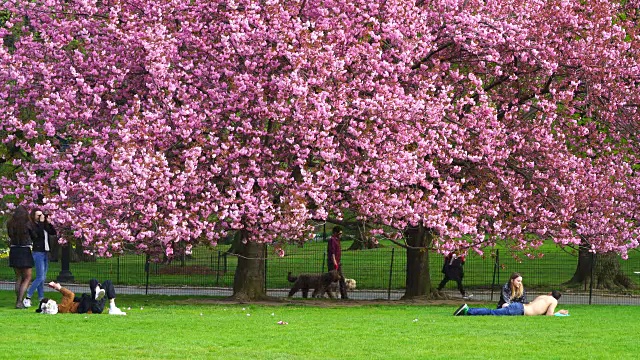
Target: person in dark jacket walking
(453, 270)
(44, 234)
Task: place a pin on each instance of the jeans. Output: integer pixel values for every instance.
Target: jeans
(41, 261)
(515, 308)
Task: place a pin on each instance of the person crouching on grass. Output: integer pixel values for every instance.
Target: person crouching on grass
(542, 305)
(88, 303)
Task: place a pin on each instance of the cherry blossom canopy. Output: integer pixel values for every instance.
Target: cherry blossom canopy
(156, 125)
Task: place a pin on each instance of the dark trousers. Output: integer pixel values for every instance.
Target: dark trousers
(89, 302)
(342, 283)
(446, 280)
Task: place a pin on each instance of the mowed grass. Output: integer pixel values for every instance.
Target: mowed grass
(202, 328)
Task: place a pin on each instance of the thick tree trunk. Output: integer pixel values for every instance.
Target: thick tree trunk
(583, 270)
(77, 253)
(236, 243)
(607, 273)
(248, 282)
(418, 278)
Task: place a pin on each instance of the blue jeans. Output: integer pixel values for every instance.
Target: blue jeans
(515, 308)
(41, 261)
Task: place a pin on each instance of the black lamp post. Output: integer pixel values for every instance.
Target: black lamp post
(65, 274)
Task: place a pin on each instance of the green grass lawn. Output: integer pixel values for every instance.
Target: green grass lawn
(201, 328)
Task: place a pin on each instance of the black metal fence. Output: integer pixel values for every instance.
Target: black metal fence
(380, 273)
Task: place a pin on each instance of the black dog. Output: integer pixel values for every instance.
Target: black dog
(318, 282)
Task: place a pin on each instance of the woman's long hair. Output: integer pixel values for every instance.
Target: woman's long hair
(516, 292)
(18, 227)
(32, 216)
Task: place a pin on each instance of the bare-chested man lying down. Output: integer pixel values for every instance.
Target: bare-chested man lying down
(542, 305)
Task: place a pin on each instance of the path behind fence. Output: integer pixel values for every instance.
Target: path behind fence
(380, 274)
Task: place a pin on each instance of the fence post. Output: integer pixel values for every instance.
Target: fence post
(390, 274)
(218, 270)
(593, 265)
(324, 239)
(324, 256)
(146, 269)
(118, 271)
(496, 270)
(265, 269)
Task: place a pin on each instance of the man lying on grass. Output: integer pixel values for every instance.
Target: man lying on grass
(86, 304)
(542, 305)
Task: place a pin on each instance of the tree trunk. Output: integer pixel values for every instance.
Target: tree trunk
(362, 242)
(248, 282)
(418, 278)
(583, 271)
(607, 273)
(236, 244)
(78, 254)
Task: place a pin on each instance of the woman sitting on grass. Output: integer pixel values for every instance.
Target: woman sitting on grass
(513, 291)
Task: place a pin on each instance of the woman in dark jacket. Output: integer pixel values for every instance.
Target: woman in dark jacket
(453, 270)
(21, 232)
(44, 235)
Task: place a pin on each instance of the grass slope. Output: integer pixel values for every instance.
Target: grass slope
(197, 328)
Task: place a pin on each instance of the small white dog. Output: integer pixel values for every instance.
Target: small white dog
(335, 287)
(351, 283)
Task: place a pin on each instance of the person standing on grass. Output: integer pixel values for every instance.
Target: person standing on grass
(334, 252)
(513, 291)
(21, 232)
(44, 231)
(452, 270)
(86, 304)
(542, 305)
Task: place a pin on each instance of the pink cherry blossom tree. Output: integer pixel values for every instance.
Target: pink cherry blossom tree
(531, 143)
(160, 125)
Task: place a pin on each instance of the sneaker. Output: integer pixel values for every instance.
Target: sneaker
(99, 293)
(462, 310)
(116, 311)
(468, 296)
(26, 302)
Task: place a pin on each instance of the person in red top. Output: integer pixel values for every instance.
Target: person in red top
(333, 258)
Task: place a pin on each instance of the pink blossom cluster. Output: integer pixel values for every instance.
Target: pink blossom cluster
(158, 125)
